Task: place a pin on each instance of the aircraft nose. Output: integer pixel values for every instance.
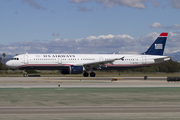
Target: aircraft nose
(8, 63)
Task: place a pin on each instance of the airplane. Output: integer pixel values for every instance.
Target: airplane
(83, 63)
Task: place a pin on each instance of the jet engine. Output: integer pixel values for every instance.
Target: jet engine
(73, 70)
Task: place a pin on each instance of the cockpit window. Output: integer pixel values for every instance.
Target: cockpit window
(15, 59)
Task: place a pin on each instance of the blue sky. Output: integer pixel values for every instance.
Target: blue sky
(87, 26)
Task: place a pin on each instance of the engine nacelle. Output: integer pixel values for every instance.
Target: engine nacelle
(73, 70)
(76, 69)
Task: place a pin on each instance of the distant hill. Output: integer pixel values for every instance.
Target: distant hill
(175, 56)
(7, 57)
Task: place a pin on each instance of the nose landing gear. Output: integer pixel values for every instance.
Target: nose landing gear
(25, 74)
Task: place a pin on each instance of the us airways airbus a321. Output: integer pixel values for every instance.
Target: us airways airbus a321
(87, 63)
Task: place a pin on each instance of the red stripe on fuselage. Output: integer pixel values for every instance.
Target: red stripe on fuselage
(108, 65)
(44, 65)
(123, 65)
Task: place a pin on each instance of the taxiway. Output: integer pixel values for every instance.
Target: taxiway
(53, 82)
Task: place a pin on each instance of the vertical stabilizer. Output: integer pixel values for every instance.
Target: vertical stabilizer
(157, 48)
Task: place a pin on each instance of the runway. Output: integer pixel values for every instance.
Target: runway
(87, 109)
(70, 82)
(88, 98)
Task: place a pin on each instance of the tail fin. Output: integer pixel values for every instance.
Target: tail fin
(157, 48)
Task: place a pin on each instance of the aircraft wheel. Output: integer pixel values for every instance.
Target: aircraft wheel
(25, 74)
(92, 74)
(85, 74)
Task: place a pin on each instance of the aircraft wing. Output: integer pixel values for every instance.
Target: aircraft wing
(98, 64)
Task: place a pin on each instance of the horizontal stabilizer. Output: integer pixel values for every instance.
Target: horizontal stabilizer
(159, 60)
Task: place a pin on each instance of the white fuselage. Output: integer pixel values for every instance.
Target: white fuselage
(59, 61)
(81, 63)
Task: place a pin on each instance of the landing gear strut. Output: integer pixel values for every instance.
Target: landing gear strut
(25, 73)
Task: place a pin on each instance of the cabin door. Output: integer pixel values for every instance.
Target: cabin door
(100, 58)
(59, 61)
(25, 59)
(143, 59)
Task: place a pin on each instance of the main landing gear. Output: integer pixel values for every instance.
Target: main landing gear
(86, 74)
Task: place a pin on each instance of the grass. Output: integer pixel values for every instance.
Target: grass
(89, 97)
